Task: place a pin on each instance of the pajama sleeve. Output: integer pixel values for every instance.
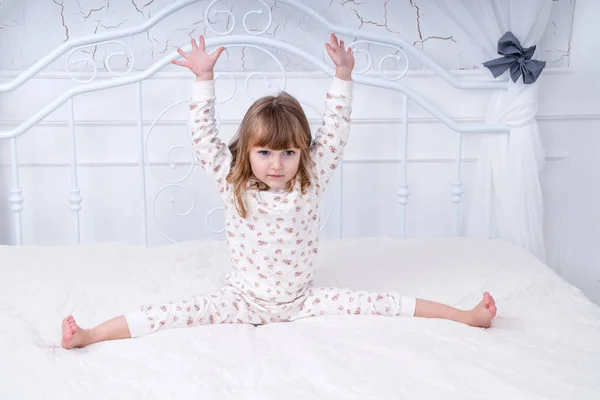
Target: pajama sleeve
(212, 154)
(331, 137)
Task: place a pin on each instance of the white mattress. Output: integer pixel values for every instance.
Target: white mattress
(544, 344)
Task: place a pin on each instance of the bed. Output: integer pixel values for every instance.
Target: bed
(543, 343)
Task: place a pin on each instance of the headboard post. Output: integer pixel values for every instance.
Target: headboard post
(16, 198)
(75, 193)
(142, 162)
(457, 190)
(403, 191)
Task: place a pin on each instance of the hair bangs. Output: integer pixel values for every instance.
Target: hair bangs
(278, 129)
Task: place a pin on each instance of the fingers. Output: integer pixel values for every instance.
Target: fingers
(182, 53)
(334, 44)
(178, 62)
(202, 43)
(329, 49)
(194, 45)
(217, 52)
(333, 40)
(182, 63)
(333, 53)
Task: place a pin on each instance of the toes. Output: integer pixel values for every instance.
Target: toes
(486, 300)
(70, 325)
(493, 309)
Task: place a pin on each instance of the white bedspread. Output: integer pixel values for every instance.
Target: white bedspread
(544, 344)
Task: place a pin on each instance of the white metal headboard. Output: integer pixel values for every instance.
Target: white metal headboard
(252, 38)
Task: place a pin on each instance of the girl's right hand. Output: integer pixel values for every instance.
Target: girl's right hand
(199, 61)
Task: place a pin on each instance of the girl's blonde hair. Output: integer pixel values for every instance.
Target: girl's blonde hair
(273, 122)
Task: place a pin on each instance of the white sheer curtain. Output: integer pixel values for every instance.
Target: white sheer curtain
(506, 200)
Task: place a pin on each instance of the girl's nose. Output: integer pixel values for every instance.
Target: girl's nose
(275, 163)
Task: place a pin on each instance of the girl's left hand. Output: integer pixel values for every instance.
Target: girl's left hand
(342, 58)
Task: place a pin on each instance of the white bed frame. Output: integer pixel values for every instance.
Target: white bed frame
(253, 38)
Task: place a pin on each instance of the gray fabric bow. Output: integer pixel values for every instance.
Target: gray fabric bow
(517, 59)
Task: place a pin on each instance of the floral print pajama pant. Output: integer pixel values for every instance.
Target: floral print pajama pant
(229, 305)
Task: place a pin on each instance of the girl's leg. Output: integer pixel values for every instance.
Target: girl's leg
(74, 336)
(224, 306)
(330, 300)
(481, 315)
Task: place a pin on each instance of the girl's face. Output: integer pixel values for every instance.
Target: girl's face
(274, 168)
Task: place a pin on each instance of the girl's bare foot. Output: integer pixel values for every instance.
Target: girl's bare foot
(483, 313)
(73, 335)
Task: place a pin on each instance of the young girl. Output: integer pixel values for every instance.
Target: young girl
(272, 178)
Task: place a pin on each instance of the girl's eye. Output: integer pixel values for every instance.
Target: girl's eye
(263, 152)
(289, 153)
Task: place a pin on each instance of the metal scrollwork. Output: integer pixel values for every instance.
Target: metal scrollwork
(106, 61)
(231, 16)
(401, 55)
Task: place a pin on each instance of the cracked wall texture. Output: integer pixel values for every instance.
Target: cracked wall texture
(30, 29)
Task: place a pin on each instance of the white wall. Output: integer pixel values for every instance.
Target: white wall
(573, 188)
(107, 151)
